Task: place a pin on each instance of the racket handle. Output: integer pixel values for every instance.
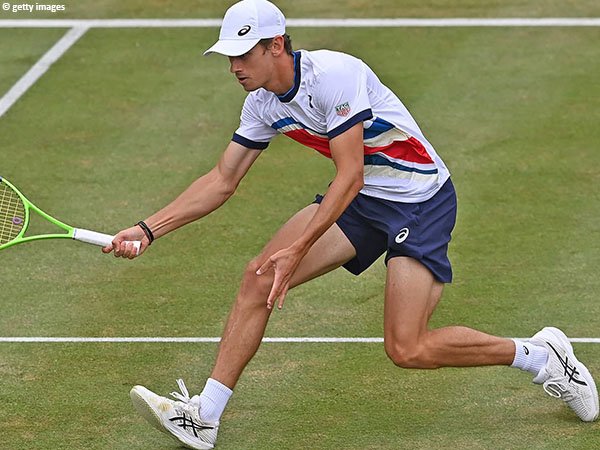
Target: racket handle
(101, 239)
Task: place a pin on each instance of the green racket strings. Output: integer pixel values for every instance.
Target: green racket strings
(12, 214)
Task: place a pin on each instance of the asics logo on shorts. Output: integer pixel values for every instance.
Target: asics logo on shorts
(402, 235)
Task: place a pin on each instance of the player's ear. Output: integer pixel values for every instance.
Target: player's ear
(277, 46)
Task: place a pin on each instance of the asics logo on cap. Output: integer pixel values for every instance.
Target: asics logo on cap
(245, 23)
(244, 30)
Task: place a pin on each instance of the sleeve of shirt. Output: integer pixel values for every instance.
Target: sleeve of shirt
(343, 97)
(253, 132)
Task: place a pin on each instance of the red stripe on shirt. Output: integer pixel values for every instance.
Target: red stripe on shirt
(310, 140)
(410, 150)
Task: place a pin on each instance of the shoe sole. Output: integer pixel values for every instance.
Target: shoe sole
(147, 412)
(585, 373)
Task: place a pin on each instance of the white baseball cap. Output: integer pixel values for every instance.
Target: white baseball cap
(246, 23)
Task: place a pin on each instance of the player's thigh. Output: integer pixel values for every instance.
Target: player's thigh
(411, 295)
(331, 250)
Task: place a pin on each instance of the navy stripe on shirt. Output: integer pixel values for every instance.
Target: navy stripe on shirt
(248, 143)
(359, 117)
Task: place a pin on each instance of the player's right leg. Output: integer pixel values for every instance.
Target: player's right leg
(195, 421)
(249, 315)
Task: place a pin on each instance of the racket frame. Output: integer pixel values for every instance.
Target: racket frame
(90, 237)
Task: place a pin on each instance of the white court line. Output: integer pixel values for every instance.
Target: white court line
(202, 340)
(40, 68)
(309, 22)
(180, 339)
(79, 27)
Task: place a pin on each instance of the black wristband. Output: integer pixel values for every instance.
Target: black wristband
(147, 231)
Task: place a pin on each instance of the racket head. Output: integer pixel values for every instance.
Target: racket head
(15, 217)
(14, 214)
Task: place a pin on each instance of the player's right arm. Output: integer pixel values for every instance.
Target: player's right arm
(202, 197)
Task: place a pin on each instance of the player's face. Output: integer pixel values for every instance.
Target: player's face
(252, 69)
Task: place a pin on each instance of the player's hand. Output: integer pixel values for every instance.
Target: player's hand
(284, 263)
(122, 245)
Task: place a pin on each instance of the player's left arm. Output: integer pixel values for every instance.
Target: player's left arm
(347, 152)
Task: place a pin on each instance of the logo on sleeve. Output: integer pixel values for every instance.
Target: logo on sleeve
(343, 109)
(244, 30)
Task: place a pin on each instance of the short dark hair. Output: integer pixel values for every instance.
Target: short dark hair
(287, 43)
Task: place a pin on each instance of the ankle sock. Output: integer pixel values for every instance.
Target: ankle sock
(213, 400)
(528, 357)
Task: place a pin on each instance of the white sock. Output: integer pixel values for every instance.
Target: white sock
(213, 400)
(529, 357)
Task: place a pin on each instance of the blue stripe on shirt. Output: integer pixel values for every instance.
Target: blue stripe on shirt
(359, 117)
(376, 160)
(378, 127)
(248, 143)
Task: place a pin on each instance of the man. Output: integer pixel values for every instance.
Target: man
(391, 193)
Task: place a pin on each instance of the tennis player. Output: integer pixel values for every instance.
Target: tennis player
(391, 194)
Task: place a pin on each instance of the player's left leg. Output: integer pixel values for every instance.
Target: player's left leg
(411, 295)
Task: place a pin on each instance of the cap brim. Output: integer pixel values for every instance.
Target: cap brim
(232, 47)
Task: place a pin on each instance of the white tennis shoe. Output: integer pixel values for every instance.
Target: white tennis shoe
(564, 376)
(178, 418)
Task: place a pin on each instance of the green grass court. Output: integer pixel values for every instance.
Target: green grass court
(127, 118)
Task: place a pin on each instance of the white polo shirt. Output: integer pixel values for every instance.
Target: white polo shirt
(332, 92)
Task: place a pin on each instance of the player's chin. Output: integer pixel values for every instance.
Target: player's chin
(249, 86)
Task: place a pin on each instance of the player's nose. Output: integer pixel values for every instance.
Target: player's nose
(234, 64)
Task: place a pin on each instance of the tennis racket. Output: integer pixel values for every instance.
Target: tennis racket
(15, 214)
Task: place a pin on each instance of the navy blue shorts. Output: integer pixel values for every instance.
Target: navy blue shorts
(419, 230)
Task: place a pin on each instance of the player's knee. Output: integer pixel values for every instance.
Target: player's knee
(406, 355)
(253, 285)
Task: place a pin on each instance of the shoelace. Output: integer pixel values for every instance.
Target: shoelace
(192, 424)
(185, 395)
